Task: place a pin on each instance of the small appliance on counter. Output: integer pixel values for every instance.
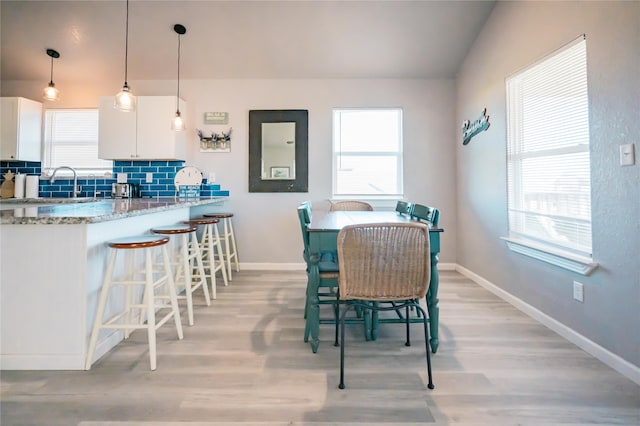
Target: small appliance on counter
(125, 190)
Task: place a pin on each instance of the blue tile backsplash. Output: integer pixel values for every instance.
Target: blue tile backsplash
(162, 185)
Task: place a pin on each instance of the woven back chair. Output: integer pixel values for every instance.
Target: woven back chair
(384, 262)
(426, 213)
(350, 206)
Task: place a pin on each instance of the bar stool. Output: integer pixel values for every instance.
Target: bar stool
(229, 239)
(186, 256)
(148, 305)
(211, 238)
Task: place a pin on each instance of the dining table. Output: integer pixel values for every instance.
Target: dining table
(323, 235)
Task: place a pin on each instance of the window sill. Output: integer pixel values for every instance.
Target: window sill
(580, 264)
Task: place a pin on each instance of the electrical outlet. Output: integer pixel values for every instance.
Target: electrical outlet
(627, 155)
(149, 178)
(212, 177)
(578, 291)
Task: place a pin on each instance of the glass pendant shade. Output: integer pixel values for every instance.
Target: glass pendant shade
(125, 101)
(178, 122)
(50, 93)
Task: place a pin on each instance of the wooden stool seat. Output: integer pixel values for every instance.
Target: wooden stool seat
(201, 221)
(124, 320)
(141, 241)
(174, 229)
(210, 246)
(229, 240)
(219, 215)
(187, 254)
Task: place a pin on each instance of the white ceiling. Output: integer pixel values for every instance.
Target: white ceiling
(238, 39)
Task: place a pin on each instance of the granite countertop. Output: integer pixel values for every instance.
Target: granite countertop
(81, 211)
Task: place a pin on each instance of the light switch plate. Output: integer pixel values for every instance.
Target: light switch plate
(149, 178)
(627, 155)
(212, 177)
(121, 177)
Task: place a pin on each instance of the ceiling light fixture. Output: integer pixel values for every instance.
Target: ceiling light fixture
(50, 92)
(178, 121)
(125, 101)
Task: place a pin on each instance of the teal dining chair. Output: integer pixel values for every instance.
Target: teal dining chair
(404, 207)
(328, 269)
(425, 213)
(384, 262)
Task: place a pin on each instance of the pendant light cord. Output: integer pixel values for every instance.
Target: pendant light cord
(178, 97)
(51, 81)
(126, 46)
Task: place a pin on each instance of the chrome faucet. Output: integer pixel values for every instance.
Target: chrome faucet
(75, 179)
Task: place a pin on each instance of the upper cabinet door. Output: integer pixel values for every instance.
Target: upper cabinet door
(145, 134)
(21, 129)
(156, 139)
(116, 132)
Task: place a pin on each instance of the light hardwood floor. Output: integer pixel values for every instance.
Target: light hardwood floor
(244, 363)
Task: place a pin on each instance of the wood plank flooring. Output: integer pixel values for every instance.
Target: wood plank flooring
(244, 363)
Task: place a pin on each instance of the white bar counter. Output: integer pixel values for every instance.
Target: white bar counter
(53, 259)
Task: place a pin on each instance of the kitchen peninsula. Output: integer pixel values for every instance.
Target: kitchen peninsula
(53, 258)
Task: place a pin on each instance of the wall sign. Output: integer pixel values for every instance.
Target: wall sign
(216, 118)
(469, 130)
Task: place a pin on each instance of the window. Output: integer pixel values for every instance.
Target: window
(71, 139)
(548, 166)
(367, 147)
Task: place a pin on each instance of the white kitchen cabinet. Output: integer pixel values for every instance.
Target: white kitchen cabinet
(21, 129)
(145, 134)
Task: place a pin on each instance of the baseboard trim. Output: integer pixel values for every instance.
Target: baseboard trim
(614, 361)
(447, 266)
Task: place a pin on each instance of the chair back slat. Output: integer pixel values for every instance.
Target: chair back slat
(384, 261)
(304, 216)
(426, 213)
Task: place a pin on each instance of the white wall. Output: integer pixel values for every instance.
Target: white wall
(516, 35)
(267, 224)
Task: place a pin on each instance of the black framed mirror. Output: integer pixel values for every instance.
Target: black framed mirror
(278, 150)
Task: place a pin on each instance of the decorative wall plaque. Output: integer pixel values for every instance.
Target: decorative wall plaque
(469, 130)
(216, 118)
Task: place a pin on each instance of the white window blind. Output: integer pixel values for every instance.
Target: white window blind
(71, 139)
(367, 148)
(549, 186)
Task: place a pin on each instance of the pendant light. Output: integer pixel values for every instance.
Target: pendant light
(178, 121)
(125, 101)
(50, 93)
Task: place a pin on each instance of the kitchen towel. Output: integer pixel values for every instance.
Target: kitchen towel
(33, 181)
(18, 190)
